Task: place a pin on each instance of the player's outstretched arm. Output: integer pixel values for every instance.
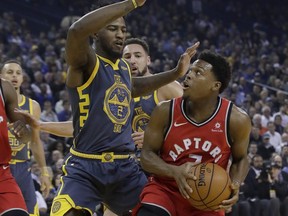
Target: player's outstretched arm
(80, 56)
(62, 129)
(145, 85)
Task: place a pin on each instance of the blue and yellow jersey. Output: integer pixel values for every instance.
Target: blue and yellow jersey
(143, 107)
(102, 109)
(21, 151)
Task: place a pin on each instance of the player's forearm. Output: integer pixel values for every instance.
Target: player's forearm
(38, 151)
(145, 85)
(152, 163)
(63, 129)
(239, 170)
(99, 18)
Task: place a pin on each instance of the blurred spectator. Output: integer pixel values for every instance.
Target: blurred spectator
(252, 151)
(66, 113)
(63, 95)
(275, 137)
(41, 90)
(257, 190)
(47, 114)
(265, 149)
(266, 116)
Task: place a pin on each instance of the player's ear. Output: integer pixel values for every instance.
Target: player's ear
(95, 36)
(148, 60)
(217, 85)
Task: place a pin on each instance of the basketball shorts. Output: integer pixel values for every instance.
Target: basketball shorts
(10, 195)
(88, 182)
(23, 177)
(166, 195)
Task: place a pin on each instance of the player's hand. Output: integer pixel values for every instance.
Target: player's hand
(45, 185)
(20, 131)
(181, 174)
(185, 59)
(138, 138)
(227, 204)
(140, 2)
(29, 119)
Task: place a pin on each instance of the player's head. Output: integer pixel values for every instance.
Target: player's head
(12, 71)
(109, 41)
(136, 52)
(209, 74)
(220, 68)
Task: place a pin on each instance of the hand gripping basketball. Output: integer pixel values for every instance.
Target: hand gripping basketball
(211, 187)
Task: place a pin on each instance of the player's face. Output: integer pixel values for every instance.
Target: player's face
(200, 81)
(110, 40)
(13, 73)
(138, 59)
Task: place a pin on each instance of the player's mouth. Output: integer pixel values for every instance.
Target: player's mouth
(119, 44)
(14, 82)
(184, 85)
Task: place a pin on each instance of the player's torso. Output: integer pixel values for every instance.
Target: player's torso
(198, 142)
(102, 109)
(5, 149)
(143, 107)
(21, 151)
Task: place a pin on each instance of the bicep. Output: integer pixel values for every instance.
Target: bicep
(240, 132)
(155, 130)
(36, 110)
(11, 101)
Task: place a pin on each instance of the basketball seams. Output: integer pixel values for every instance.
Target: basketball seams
(199, 202)
(224, 188)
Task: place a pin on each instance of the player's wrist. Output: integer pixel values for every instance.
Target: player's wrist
(236, 183)
(44, 171)
(134, 3)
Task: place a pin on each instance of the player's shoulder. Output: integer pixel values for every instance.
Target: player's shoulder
(239, 116)
(169, 91)
(163, 106)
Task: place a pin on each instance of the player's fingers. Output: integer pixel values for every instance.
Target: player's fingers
(10, 125)
(192, 50)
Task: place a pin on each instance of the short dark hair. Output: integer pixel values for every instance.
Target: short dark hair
(138, 41)
(220, 67)
(9, 62)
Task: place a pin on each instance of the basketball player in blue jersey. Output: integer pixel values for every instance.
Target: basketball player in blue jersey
(136, 52)
(19, 164)
(100, 166)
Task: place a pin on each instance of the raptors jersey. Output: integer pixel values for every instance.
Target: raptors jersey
(5, 150)
(101, 109)
(21, 151)
(207, 141)
(143, 107)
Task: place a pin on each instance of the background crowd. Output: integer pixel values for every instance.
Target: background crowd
(251, 34)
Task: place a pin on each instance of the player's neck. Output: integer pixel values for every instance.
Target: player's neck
(200, 111)
(20, 97)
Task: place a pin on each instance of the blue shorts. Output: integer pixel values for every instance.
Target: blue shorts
(89, 182)
(23, 177)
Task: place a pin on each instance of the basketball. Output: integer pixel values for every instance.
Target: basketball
(211, 187)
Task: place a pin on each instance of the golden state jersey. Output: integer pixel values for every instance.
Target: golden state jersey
(5, 150)
(188, 141)
(101, 109)
(143, 107)
(21, 151)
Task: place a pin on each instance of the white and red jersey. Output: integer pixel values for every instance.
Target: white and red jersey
(5, 150)
(188, 141)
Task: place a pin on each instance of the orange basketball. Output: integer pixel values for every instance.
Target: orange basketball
(211, 187)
